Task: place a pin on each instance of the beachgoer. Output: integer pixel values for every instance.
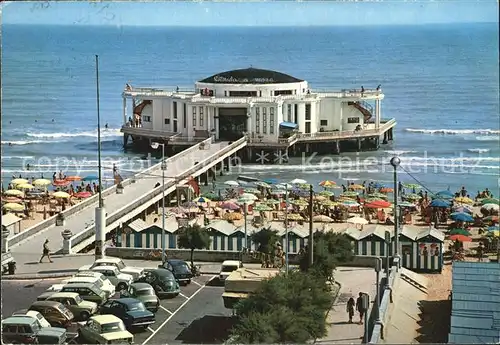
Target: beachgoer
(463, 191)
(106, 125)
(350, 308)
(359, 307)
(177, 89)
(379, 87)
(46, 251)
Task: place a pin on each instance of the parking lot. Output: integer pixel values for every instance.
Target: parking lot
(197, 315)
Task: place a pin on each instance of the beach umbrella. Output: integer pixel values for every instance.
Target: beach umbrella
(327, 183)
(445, 193)
(320, 198)
(377, 195)
(323, 219)
(329, 203)
(17, 181)
(232, 216)
(461, 217)
(189, 204)
(202, 200)
(232, 183)
(298, 181)
(272, 201)
(299, 202)
(73, 178)
(90, 178)
(356, 187)
(25, 186)
(460, 238)
(494, 228)
(229, 205)
(490, 207)
(462, 209)
(285, 186)
(41, 182)
(14, 192)
(412, 185)
(491, 219)
(62, 195)
(326, 193)
(248, 196)
(251, 190)
(406, 204)
(440, 203)
(411, 196)
(262, 184)
(294, 216)
(490, 201)
(350, 203)
(271, 181)
(61, 183)
(459, 232)
(494, 233)
(357, 220)
(11, 199)
(304, 186)
(464, 200)
(386, 190)
(378, 204)
(210, 195)
(350, 194)
(12, 206)
(82, 195)
(262, 208)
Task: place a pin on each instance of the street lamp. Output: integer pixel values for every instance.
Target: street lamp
(395, 162)
(155, 146)
(286, 228)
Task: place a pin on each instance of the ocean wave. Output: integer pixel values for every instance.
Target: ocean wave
(22, 142)
(398, 153)
(491, 138)
(112, 132)
(453, 131)
(478, 150)
(451, 159)
(17, 157)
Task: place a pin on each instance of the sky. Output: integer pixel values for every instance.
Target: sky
(270, 13)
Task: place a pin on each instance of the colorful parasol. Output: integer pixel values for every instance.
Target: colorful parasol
(294, 216)
(460, 238)
(327, 183)
(357, 220)
(14, 192)
(17, 181)
(326, 193)
(41, 182)
(491, 219)
(262, 208)
(12, 206)
(459, 232)
(83, 195)
(298, 181)
(62, 195)
(356, 187)
(386, 190)
(203, 200)
(464, 200)
(490, 201)
(299, 202)
(73, 178)
(322, 218)
(378, 204)
(25, 186)
(61, 183)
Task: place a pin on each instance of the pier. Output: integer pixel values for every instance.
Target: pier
(140, 192)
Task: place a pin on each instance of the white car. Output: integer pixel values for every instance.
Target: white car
(33, 314)
(110, 290)
(120, 280)
(135, 272)
(227, 267)
(107, 285)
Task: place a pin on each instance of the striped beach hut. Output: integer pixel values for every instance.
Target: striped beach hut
(371, 240)
(225, 236)
(422, 248)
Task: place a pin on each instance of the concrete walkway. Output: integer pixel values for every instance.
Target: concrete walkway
(353, 280)
(81, 220)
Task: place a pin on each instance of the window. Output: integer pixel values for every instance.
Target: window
(308, 127)
(175, 109)
(257, 120)
(264, 120)
(289, 110)
(353, 120)
(167, 121)
(283, 92)
(184, 117)
(242, 93)
(323, 122)
(194, 116)
(308, 112)
(146, 118)
(271, 120)
(201, 116)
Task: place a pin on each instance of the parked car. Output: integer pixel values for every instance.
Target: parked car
(130, 310)
(121, 281)
(34, 314)
(105, 281)
(21, 330)
(144, 293)
(135, 272)
(89, 292)
(110, 290)
(162, 281)
(57, 336)
(54, 312)
(227, 267)
(180, 269)
(105, 329)
(80, 308)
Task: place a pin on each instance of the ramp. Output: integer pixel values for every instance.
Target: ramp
(415, 279)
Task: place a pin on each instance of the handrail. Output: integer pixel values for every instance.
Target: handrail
(348, 134)
(367, 106)
(156, 191)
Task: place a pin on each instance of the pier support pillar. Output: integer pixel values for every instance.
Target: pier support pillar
(385, 138)
(125, 140)
(206, 178)
(337, 147)
(221, 168)
(377, 142)
(307, 148)
(391, 137)
(358, 144)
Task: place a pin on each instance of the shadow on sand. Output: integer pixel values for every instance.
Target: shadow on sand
(434, 321)
(209, 329)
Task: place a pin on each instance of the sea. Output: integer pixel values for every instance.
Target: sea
(440, 84)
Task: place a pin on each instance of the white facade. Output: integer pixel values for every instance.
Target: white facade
(262, 107)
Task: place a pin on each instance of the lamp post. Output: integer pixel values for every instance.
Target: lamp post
(378, 268)
(100, 212)
(311, 234)
(163, 168)
(395, 162)
(245, 226)
(287, 267)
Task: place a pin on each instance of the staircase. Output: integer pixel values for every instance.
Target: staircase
(140, 106)
(365, 108)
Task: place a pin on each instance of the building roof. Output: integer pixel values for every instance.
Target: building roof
(250, 76)
(138, 225)
(375, 230)
(416, 233)
(475, 313)
(222, 226)
(9, 219)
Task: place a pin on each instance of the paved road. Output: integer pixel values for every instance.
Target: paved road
(196, 316)
(79, 221)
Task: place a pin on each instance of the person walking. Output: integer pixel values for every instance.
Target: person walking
(359, 307)
(350, 308)
(46, 251)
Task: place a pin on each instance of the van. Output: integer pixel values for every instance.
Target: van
(54, 312)
(23, 330)
(88, 292)
(90, 280)
(227, 267)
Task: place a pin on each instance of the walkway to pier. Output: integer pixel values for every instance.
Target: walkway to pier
(144, 183)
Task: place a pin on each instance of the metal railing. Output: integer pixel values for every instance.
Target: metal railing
(347, 134)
